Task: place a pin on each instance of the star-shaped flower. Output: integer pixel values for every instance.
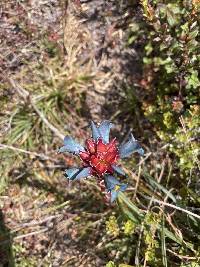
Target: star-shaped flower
(114, 186)
(100, 154)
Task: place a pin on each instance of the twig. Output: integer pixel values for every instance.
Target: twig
(35, 223)
(183, 257)
(3, 146)
(56, 207)
(50, 249)
(49, 125)
(144, 159)
(176, 207)
(31, 233)
(137, 182)
(151, 153)
(24, 235)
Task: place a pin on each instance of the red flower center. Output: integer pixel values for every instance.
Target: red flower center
(100, 156)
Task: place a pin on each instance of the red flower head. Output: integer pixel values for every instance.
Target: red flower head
(100, 155)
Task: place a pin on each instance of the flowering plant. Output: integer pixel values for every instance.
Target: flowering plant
(99, 158)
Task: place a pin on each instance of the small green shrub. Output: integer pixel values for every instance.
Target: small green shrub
(169, 88)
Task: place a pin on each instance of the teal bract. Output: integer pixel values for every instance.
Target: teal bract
(100, 156)
(114, 186)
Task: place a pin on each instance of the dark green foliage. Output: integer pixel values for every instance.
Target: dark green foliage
(170, 86)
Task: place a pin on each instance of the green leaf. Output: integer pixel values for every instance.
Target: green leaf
(159, 186)
(171, 18)
(122, 198)
(110, 264)
(177, 239)
(132, 39)
(125, 265)
(193, 34)
(163, 243)
(193, 80)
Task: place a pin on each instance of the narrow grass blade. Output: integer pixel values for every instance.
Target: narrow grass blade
(136, 213)
(163, 243)
(159, 186)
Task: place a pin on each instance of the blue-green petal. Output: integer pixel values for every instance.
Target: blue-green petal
(84, 173)
(104, 130)
(111, 182)
(114, 195)
(71, 173)
(118, 170)
(123, 187)
(71, 146)
(130, 147)
(77, 174)
(95, 131)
